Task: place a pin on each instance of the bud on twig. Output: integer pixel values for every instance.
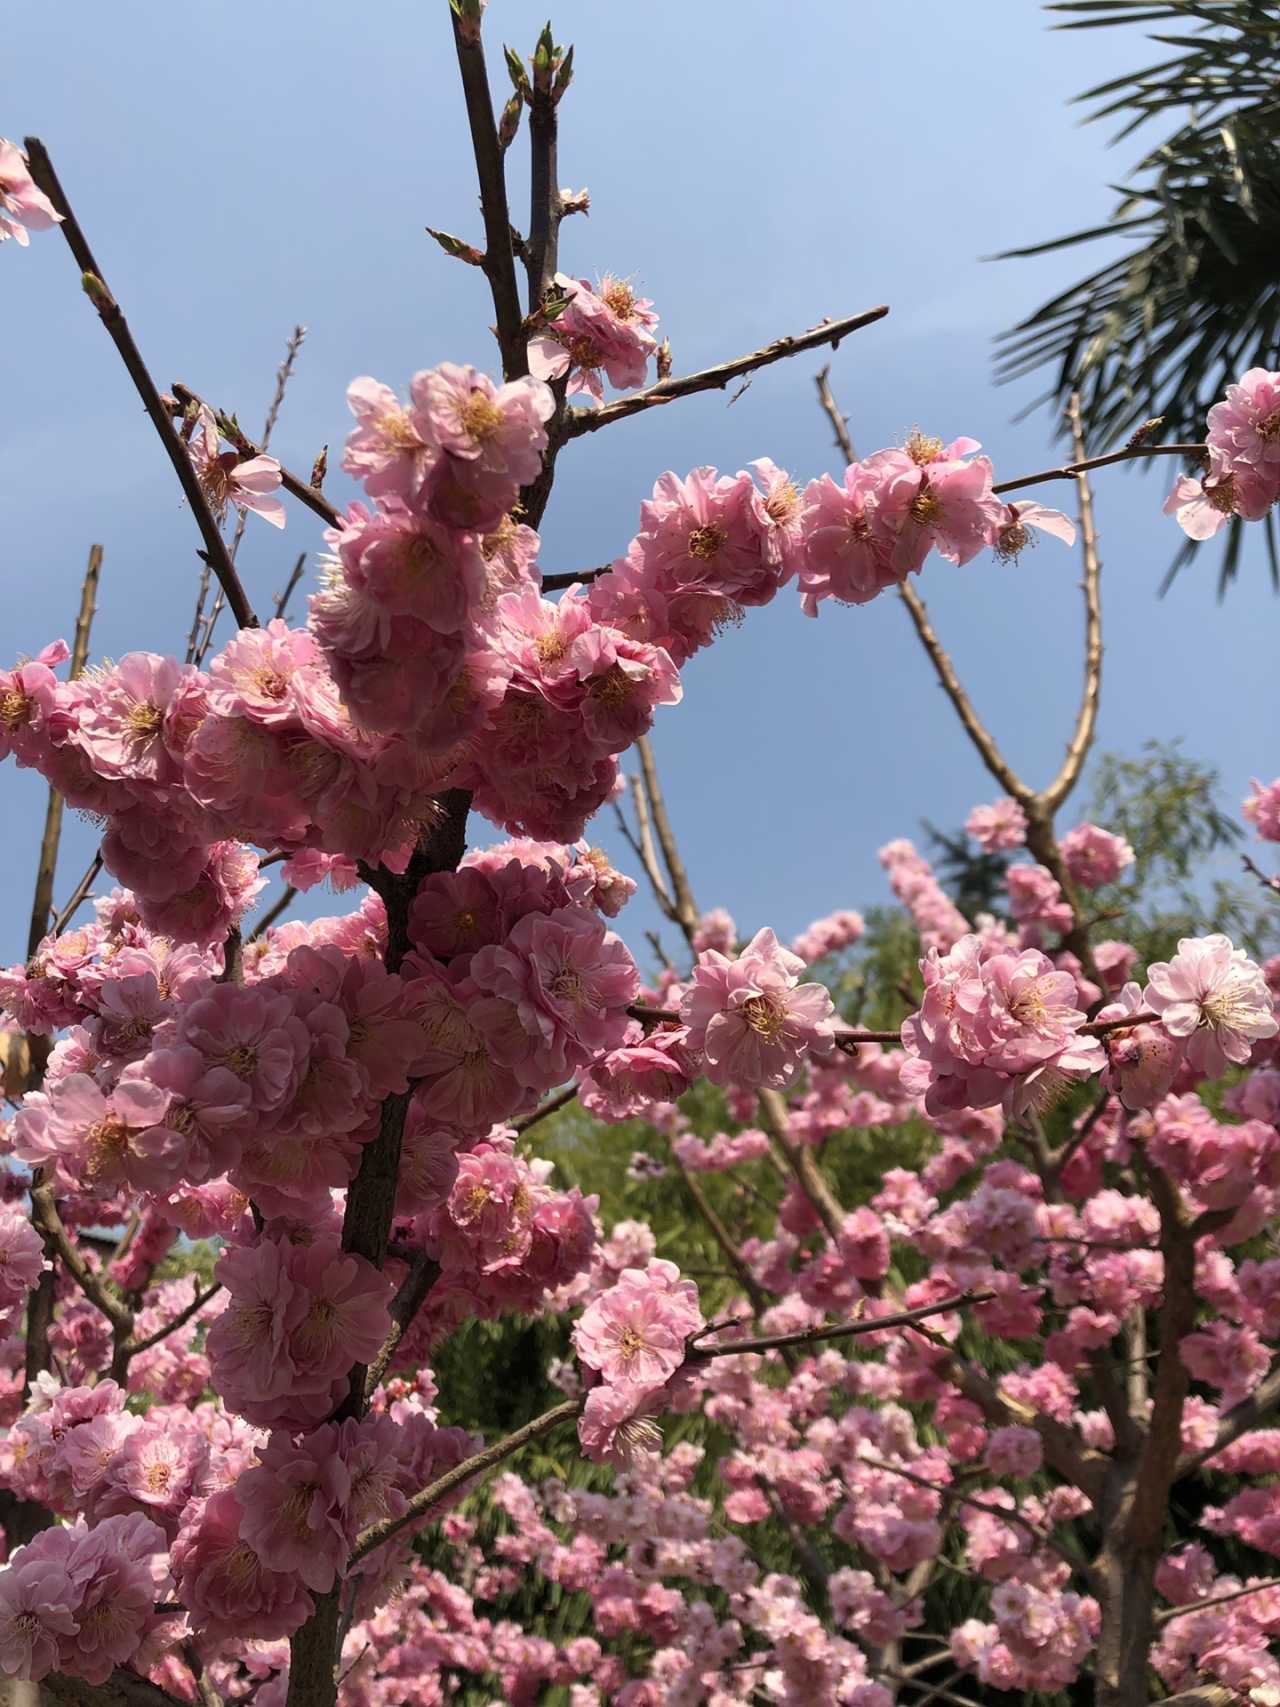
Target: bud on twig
(468, 13)
(97, 292)
(574, 201)
(564, 76)
(509, 123)
(516, 71)
(457, 248)
(320, 467)
(1145, 431)
(663, 359)
(546, 61)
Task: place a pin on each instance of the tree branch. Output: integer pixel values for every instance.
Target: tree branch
(1087, 717)
(215, 548)
(685, 912)
(499, 262)
(837, 1330)
(1072, 470)
(427, 1498)
(551, 1105)
(715, 378)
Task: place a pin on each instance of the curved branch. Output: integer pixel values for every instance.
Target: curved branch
(1087, 716)
(1072, 470)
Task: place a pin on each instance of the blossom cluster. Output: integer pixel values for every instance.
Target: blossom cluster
(1242, 476)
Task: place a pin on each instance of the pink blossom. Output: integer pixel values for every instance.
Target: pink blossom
(752, 1020)
(1011, 537)
(1095, 856)
(23, 207)
(22, 1258)
(634, 1333)
(606, 330)
(500, 428)
(227, 477)
(1263, 809)
(1001, 825)
(226, 1588)
(1215, 997)
(1244, 429)
(385, 450)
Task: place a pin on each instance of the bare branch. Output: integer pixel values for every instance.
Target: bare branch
(1168, 1615)
(412, 1295)
(96, 289)
(278, 907)
(499, 262)
(552, 1105)
(837, 1330)
(685, 911)
(1087, 716)
(47, 1221)
(1072, 470)
(716, 378)
(291, 583)
(179, 1321)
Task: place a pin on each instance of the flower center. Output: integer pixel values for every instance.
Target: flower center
(926, 506)
(242, 1060)
(620, 298)
(396, 430)
(613, 688)
(704, 542)
(15, 708)
(629, 1343)
(481, 417)
(764, 1017)
(144, 719)
(1268, 429)
(923, 449)
(107, 1143)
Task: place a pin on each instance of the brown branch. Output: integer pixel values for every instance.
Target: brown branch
(498, 262)
(1271, 883)
(685, 911)
(292, 582)
(417, 1283)
(124, 1688)
(643, 846)
(1168, 1615)
(580, 577)
(43, 898)
(837, 1330)
(47, 1221)
(802, 1162)
(1261, 1404)
(1082, 465)
(756, 1294)
(77, 896)
(552, 1105)
(715, 378)
(427, 1498)
(839, 422)
(279, 906)
(179, 1321)
(973, 726)
(542, 247)
(311, 496)
(1087, 717)
(113, 320)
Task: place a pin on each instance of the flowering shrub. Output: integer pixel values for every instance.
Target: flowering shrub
(1012, 1361)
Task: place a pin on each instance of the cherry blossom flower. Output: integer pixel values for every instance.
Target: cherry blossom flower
(23, 207)
(1215, 997)
(751, 1019)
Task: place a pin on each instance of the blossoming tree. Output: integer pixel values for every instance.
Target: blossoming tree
(1008, 1364)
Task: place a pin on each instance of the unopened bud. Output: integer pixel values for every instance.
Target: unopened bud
(574, 201)
(564, 76)
(1145, 431)
(454, 246)
(663, 359)
(545, 60)
(509, 123)
(468, 13)
(516, 71)
(97, 292)
(320, 467)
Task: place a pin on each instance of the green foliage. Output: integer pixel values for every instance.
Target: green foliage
(973, 879)
(1168, 807)
(1196, 300)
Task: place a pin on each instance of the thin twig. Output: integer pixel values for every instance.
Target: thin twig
(552, 1105)
(47, 1221)
(715, 378)
(412, 1295)
(42, 901)
(273, 912)
(1087, 716)
(292, 582)
(435, 1492)
(99, 294)
(179, 1321)
(1272, 883)
(839, 1330)
(1071, 470)
(685, 911)
(1168, 1615)
(645, 849)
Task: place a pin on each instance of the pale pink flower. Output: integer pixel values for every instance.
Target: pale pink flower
(752, 1020)
(1214, 996)
(606, 330)
(22, 1258)
(634, 1333)
(1001, 825)
(614, 1428)
(500, 428)
(227, 477)
(1010, 537)
(1095, 856)
(1203, 507)
(1244, 429)
(1142, 1063)
(37, 1597)
(228, 1592)
(385, 450)
(23, 207)
(1263, 809)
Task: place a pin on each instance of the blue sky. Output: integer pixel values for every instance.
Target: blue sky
(754, 167)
